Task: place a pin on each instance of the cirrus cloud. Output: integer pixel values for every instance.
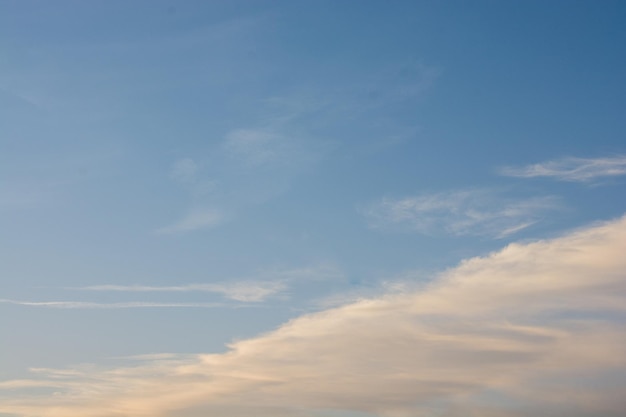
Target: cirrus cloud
(571, 169)
(536, 328)
(478, 212)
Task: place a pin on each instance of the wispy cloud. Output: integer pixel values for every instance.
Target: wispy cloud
(196, 219)
(498, 335)
(184, 170)
(269, 283)
(468, 212)
(256, 147)
(239, 291)
(94, 305)
(247, 167)
(571, 169)
(252, 163)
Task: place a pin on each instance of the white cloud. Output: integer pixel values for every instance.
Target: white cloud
(469, 212)
(270, 283)
(572, 169)
(534, 329)
(94, 305)
(250, 291)
(194, 220)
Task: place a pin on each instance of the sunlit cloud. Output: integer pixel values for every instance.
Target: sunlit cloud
(572, 169)
(468, 212)
(535, 326)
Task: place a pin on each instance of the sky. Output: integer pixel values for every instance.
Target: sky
(312, 208)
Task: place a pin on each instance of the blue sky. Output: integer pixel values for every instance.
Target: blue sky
(205, 191)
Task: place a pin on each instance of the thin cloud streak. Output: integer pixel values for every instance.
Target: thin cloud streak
(478, 212)
(571, 169)
(535, 326)
(94, 305)
(272, 283)
(195, 220)
(240, 291)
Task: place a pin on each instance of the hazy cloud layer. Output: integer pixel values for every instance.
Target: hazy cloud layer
(532, 327)
(572, 169)
(469, 212)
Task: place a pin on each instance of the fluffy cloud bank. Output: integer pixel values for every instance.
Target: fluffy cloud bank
(534, 329)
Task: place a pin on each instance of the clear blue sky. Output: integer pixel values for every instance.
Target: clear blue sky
(176, 176)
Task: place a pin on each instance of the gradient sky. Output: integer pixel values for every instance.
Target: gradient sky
(312, 208)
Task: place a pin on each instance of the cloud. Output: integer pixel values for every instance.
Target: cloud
(255, 147)
(470, 212)
(292, 131)
(194, 220)
(271, 283)
(247, 167)
(184, 170)
(534, 329)
(94, 305)
(252, 291)
(572, 169)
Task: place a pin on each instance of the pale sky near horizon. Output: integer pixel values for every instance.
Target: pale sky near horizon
(312, 208)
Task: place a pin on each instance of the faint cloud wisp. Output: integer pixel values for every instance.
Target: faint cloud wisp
(571, 169)
(252, 291)
(108, 306)
(469, 212)
(194, 220)
(509, 324)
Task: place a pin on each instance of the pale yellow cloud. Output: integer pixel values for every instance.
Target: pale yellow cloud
(534, 329)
